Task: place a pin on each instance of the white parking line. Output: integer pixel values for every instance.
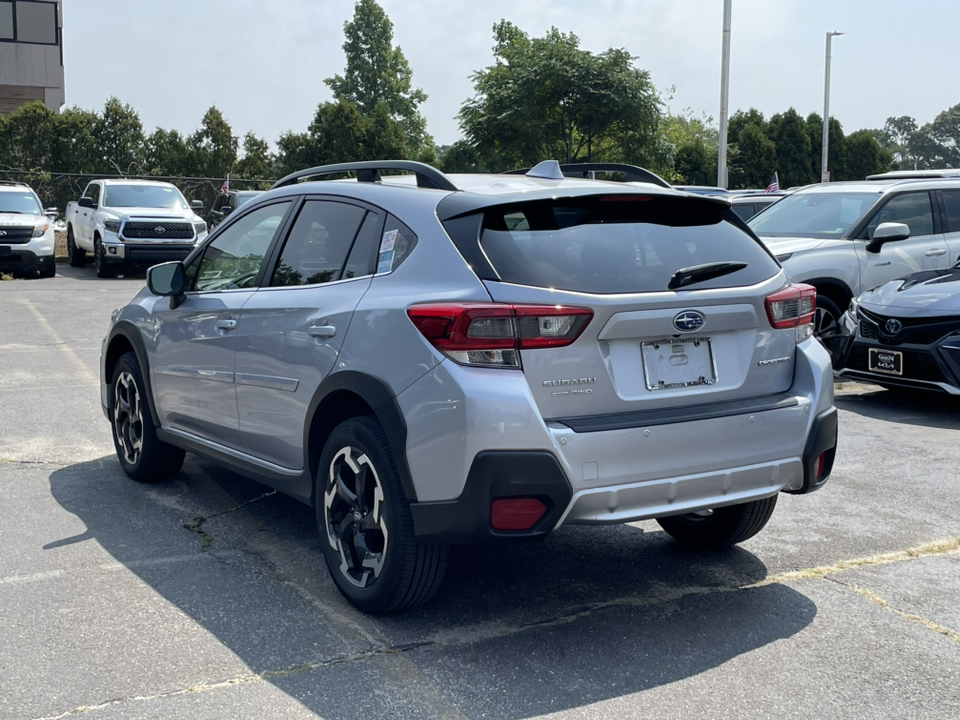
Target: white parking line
(72, 356)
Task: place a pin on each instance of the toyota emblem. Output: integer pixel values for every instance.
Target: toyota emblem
(893, 326)
(689, 321)
(159, 229)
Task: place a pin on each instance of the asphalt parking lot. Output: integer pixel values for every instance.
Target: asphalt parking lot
(208, 596)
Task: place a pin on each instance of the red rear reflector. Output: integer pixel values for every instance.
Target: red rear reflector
(492, 334)
(516, 513)
(820, 467)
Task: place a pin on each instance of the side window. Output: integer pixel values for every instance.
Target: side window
(912, 209)
(745, 212)
(363, 256)
(93, 192)
(951, 199)
(319, 243)
(397, 243)
(234, 258)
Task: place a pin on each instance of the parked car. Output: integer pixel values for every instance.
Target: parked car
(846, 237)
(916, 174)
(132, 223)
(702, 189)
(906, 333)
(226, 203)
(26, 232)
(748, 205)
(508, 358)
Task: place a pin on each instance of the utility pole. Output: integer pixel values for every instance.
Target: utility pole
(724, 96)
(824, 173)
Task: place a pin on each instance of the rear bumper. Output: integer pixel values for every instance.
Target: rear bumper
(25, 260)
(654, 468)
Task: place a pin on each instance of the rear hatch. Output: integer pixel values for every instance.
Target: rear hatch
(673, 297)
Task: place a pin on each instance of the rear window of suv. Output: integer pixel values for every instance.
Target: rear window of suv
(618, 243)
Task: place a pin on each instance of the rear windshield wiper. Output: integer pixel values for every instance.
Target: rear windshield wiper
(701, 273)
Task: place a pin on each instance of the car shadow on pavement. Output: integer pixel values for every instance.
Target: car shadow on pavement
(87, 272)
(912, 407)
(589, 614)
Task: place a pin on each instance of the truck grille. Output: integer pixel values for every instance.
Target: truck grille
(158, 231)
(15, 235)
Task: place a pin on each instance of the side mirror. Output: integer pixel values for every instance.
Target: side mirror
(51, 213)
(226, 210)
(167, 279)
(86, 202)
(197, 206)
(887, 232)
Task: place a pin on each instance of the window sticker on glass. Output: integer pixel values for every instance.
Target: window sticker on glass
(389, 240)
(386, 262)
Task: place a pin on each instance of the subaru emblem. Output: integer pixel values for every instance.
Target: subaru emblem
(159, 229)
(893, 326)
(689, 321)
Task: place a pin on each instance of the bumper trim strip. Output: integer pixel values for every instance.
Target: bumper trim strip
(670, 416)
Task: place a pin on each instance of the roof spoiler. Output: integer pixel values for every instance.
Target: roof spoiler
(369, 171)
(634, 173)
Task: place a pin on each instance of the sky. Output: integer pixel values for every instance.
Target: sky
(263, 63)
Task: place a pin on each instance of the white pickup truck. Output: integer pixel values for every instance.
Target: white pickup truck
(132, 222)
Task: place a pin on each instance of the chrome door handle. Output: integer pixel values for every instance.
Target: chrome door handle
(322, 331)
(936, 252)
(226, 324)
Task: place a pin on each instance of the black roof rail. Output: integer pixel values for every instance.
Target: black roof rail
(369, 171)
(634, 173)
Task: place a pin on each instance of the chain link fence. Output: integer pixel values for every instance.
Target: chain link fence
(57, 189)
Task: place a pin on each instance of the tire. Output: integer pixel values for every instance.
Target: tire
(51, 271)
(142, 455)
(78, 256)
(723, 526)
(367, 511)
(826, 324)
(103, 268)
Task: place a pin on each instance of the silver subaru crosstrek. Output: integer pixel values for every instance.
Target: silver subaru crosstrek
(431, 360)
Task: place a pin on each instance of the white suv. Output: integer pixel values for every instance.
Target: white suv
(846, 238)
(26, 233)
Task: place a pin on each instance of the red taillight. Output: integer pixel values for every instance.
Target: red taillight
(492, 334)
(793, 307)
(516, 513)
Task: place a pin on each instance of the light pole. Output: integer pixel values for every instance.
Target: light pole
(824, 173)
(724, 96)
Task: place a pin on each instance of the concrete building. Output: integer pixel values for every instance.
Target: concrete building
(31, 54)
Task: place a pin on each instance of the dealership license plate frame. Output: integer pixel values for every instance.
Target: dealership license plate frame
(699, 369)
(875, 363)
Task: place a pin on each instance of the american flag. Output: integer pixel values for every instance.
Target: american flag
(225, 188)
(774, 185)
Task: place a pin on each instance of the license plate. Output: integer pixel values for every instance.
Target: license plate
(678, 363)
(888, 362)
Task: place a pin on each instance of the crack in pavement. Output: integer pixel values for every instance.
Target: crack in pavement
(463, 637)
(912, 617)
(196, 525)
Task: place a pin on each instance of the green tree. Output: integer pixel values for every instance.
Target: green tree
(461, 157)
(897, 134)
(547, 98)
(696, 163)
(119, 135)
(169, 154)
(753, 158)
(378, 73)
(789, 134)
(257, 162)
(214, 145)
(74, 146)
(740, 119)
(25, 138)
(865, 156)
(944, 132)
